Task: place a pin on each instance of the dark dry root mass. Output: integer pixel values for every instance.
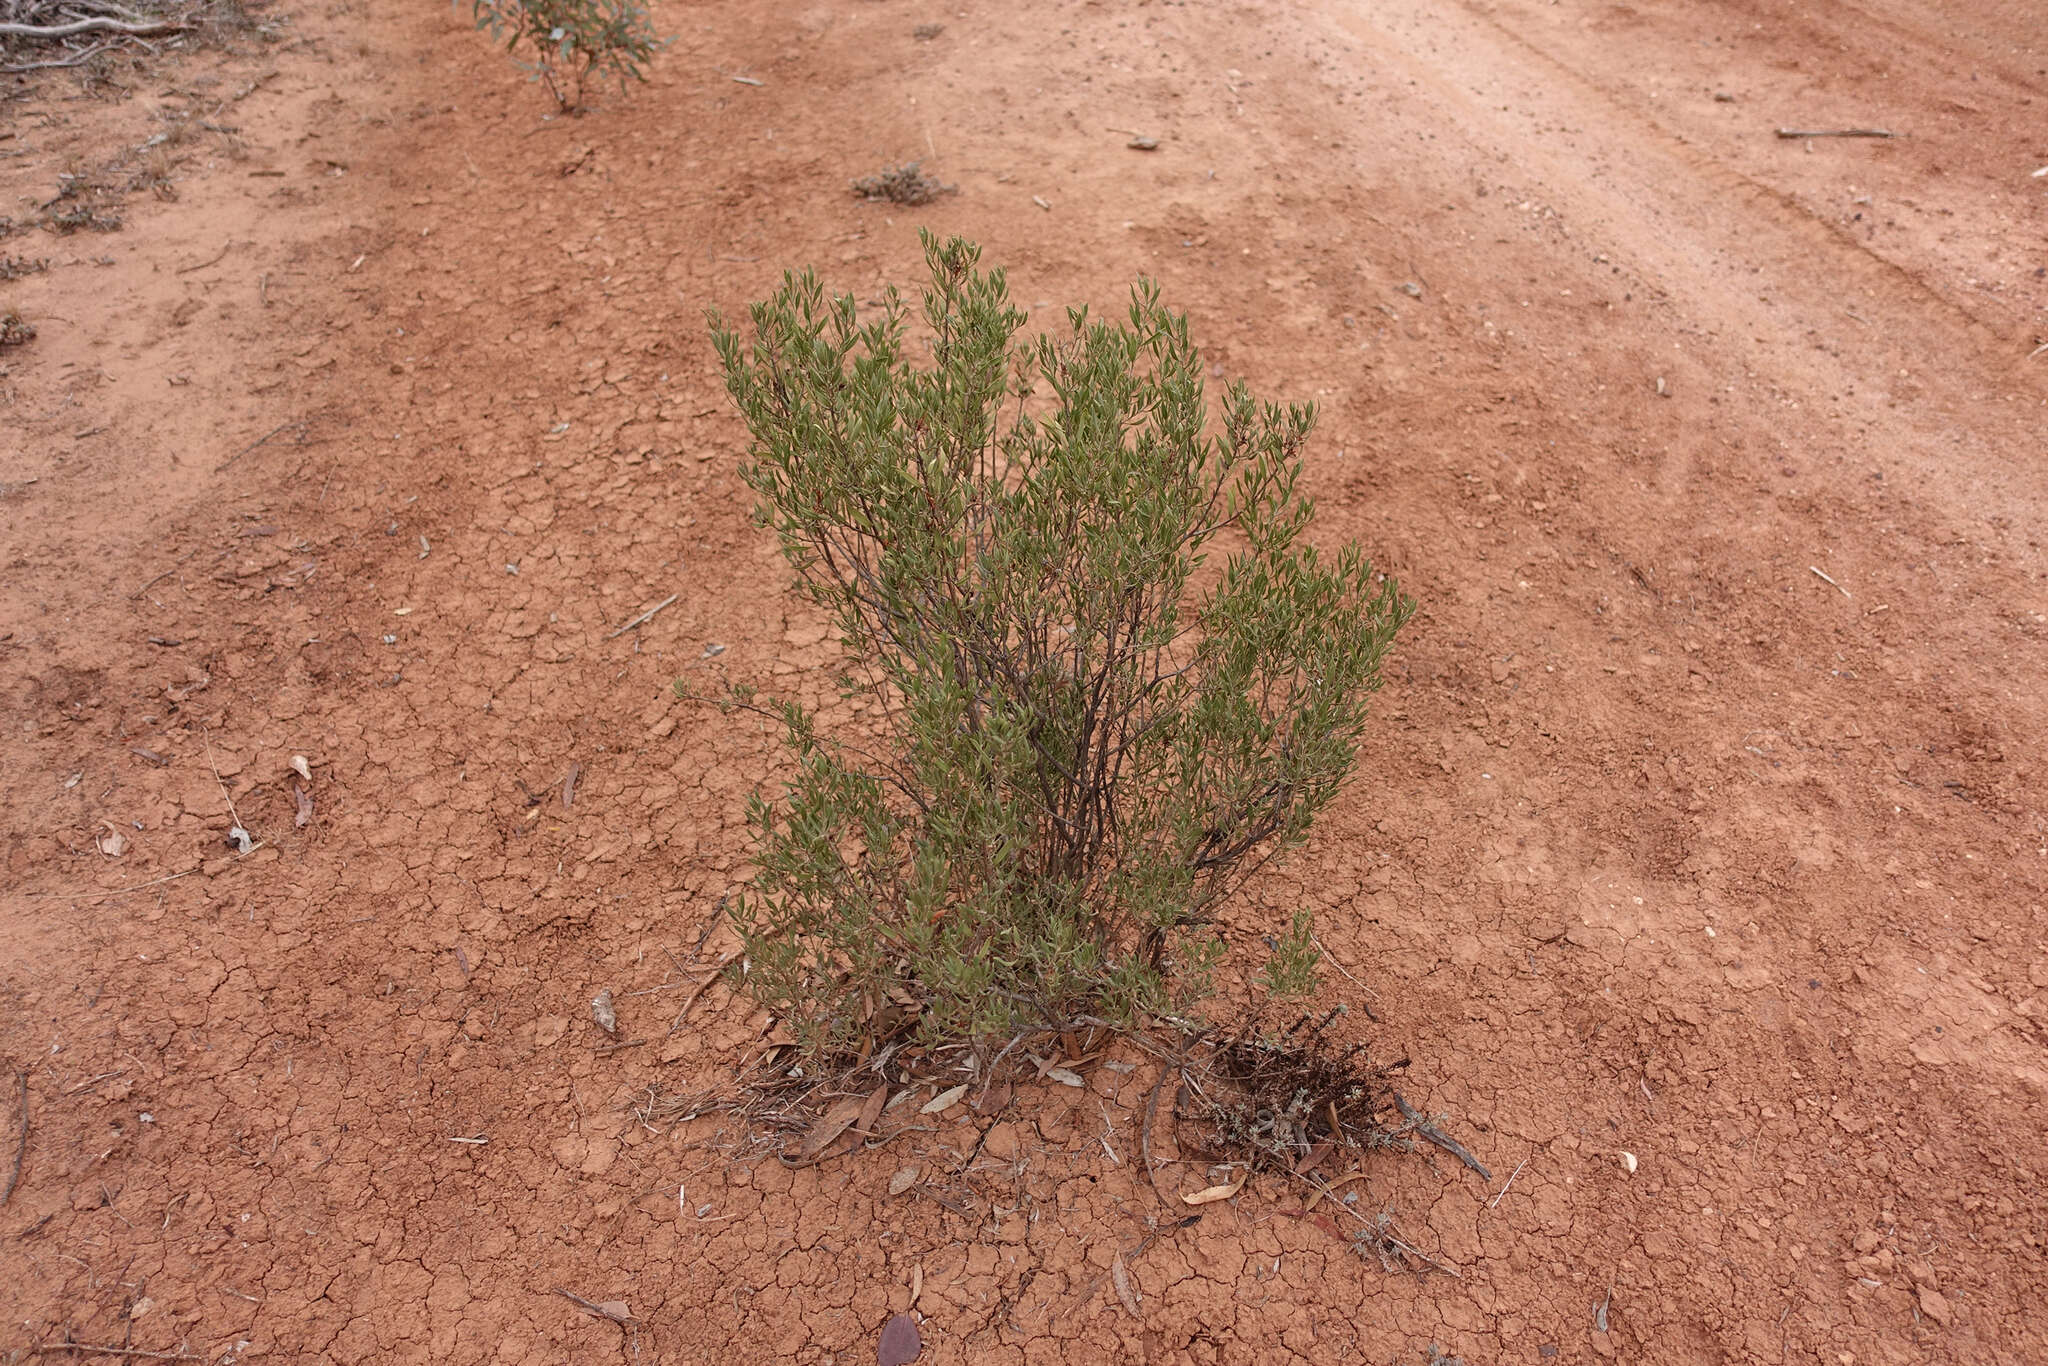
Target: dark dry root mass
(1295, 1101)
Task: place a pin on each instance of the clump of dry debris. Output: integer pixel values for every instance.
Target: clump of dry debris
(1287, 1102)
(905, 184)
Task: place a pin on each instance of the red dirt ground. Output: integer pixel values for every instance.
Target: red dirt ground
(1663, 843)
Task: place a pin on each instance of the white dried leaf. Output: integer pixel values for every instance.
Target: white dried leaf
(943, 1101)
(601, 1011)
(1120, 1277)
(1212, 1194)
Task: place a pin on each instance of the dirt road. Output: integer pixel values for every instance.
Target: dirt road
(1703, 826)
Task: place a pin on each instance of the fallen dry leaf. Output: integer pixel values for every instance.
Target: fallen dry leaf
(113, 844)
(904, 1180)
(872, 1111)
(601, 1011)
(1063, 1076)
(1120, 1277)
(831, 1124)
(901, 1342)
(301, 767)
(304, 816)
(916, 1283)
(943, 1101)
(1314, 1158)
(1212, 1194)
(613, 1310)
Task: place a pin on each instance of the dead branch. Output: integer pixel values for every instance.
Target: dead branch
(76, 59)
(1836, 133)
(94, 1349)
(52, 32)
(21, 1147)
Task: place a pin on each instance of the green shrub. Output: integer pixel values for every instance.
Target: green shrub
(574, 40)
(1084, 726)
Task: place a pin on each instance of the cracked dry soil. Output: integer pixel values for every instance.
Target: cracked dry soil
(1664, 844)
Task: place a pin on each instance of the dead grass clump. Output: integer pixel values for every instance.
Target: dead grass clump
(15, 330)
(15, 267)
(905, 184)
(82, 218)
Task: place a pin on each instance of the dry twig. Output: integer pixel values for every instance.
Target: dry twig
(1509, 1182)
(20, 1147)
(1440, 1138)
(94, 1349)
(260, 441)
(702, 987)
(1836, 133)
(644, 617)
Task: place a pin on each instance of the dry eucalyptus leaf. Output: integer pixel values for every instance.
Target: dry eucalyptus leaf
(613, 1310)
(1120, 1277)
(601, 1011)
(113, 844)
(904, 1180)
(1063, 1077)
(901, 1342)
(943, 1101)
(833, 1123)
(916, 1283)
(877, 1100)
(1223, 1192)
(303, 817)
(301, 767)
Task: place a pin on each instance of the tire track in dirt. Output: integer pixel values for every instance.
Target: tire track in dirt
(1652, 179)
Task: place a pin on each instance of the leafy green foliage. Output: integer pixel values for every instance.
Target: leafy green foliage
(1291, 970)
(574, 40)
(1104, 675)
